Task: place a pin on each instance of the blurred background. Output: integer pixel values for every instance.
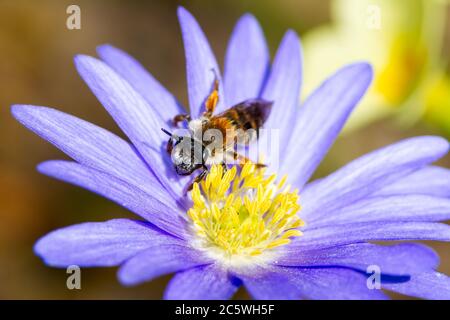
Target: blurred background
(408, 41)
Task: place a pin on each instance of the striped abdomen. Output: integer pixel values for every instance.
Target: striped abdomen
(241, 121)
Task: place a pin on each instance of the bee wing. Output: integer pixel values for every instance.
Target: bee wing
(258, 109)
(243, 121)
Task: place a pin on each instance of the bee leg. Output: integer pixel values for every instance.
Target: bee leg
(224, 167)
(179, 118)
(199, 178)
(169, 147)
(211, 101)
(243, 160)
(260, 165)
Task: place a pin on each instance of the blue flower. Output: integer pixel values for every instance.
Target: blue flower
(216, 240)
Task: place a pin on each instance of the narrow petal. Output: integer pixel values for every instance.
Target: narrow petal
(140, 122)
(393, 208)
(201, 64)
(156, 95)
(96, 244)
(202, 283)
(246, 61)
(401, 259)
(331, 236)
(283, 87)
(281, 283)
(370, 173)
(157, 261)
(320, 120)
(86, 143)
(432, 181)
(270, 284)
(156, 207)
(430, 285)
(332, 284)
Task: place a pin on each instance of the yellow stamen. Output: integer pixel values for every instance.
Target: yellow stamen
(244, 214)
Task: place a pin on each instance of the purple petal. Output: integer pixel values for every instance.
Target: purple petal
(269, 284)
(320, 120)
(369, 173)
(401, 259)
(201, 64)
(157, 261)
(96, 244)
(201, 283)
(430, 285)
(349, 233)
(281, 283)
(283, 86)
(433, 181)
(332, 284)
(86, 143)
(158, 97)
(246, 61)
(140, 122)
(156, 207)
(394, 209)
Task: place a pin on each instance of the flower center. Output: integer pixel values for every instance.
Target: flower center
(245, 214)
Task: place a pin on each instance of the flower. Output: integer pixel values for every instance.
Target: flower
(402, 39)
(246, 227)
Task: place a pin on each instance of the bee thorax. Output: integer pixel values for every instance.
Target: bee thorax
(195, 125)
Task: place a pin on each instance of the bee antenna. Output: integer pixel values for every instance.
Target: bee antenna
(171, 135)
(167, 132)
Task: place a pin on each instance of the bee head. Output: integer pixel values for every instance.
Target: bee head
(187, 153)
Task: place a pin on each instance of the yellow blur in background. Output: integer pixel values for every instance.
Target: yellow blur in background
(408, 46)
(404, 40)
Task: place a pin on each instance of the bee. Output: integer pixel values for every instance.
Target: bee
(238, 125)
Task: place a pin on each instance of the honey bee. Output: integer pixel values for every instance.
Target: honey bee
(213, 139)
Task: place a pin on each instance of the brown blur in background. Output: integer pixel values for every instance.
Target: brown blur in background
(36, 67)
